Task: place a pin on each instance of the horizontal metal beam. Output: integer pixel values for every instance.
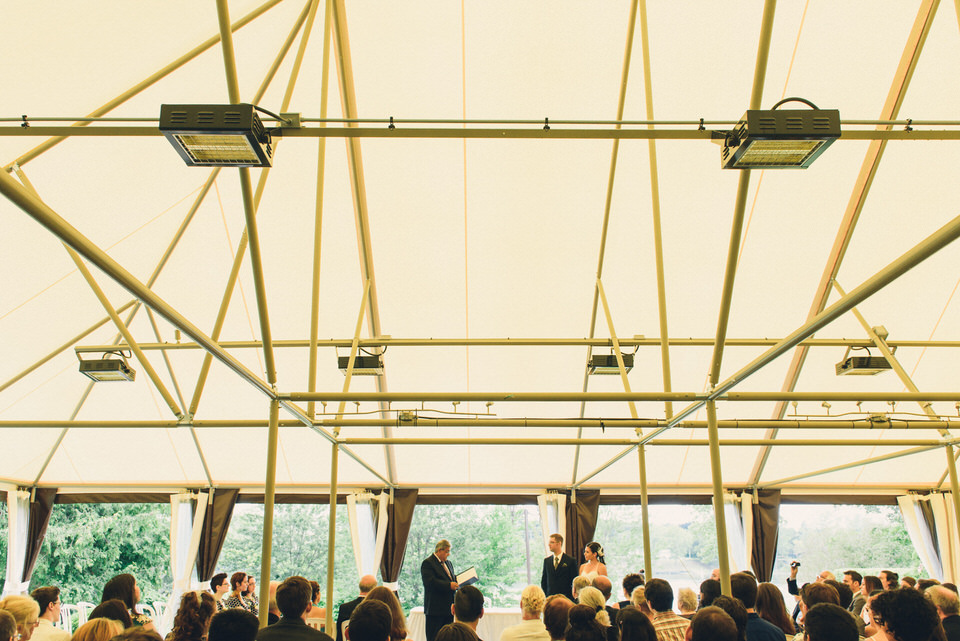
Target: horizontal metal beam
(675, 442)
(553, 133)
(548, 397)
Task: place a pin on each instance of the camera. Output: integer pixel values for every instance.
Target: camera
(795, 564)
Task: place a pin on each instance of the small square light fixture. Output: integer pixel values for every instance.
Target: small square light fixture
(607, 364)
(780, 138)
(107, 369)
(363, 365)
(217, 135)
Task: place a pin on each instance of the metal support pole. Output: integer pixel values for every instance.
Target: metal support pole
(954, 492)
(269, 491)
(645, 513)
(332, 528)
(718, 512)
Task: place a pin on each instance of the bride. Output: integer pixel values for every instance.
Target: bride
(593, 553)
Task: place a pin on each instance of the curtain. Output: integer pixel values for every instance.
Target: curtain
(40, 508)
(399, 517)
(18, 521)
(553, 518)
(921, 533)
(186, 526)
(581, 520)
(948, 542)
(766, 530)
(739, 525)
(215, 523)
(932, 526)
(367, 514)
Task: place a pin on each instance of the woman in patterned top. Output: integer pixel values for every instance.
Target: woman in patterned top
(125, 588)
(238, 583)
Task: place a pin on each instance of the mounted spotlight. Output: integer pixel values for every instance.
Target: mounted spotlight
(363, 365)
(862, 365)
(217, 135)
(780, 139)
(606, 364)
(111, 367)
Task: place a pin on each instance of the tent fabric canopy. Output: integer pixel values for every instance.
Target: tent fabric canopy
(548, 189)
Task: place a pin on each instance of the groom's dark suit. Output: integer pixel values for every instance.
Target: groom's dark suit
(437, 595)
(559, 580)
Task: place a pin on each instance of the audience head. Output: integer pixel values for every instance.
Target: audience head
(770, 606)
(137, 634)
(843, 592)
(659, 595)
(813, 593)
(193, 616)
(97, 629)
(635, 625)
(556, 615)
(113, 609)
(603, 584)
(852, 579)
(905, 615)
(630, 582)
(638, 599)
(314, 592)
(48, 598)
(8, 626)
(908, 582)
(579, 583)
(368, 581)
(951, 586)
(890, 579)
(293, 597)
(829, 622)
(826, 575)
(870, 585)
(592, 598)
(123, 587)
(25, 611)
(398, 630)
(583, 624)
(234, 624)
(744, 587)
(923, 584)
(709, 590)
(686, 600)
(272, 605)
(713, 624)
(237, 580)
(370, 621)
(946, 601)
(467, 604)
(532, 600)
(734, 608)
(219, 583)
(456, 632)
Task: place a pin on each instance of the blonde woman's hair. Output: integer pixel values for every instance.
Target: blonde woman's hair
(532, 599)
(99, 629)
(23, 609)
(687, 600)
(592, 597)
(579, 583)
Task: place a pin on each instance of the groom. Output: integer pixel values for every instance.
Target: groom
(559, 569)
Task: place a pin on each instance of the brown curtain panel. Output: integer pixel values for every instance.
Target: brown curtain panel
(40, 508)
(766, 529)
(581, 521)
(216, 523)
(399, 518)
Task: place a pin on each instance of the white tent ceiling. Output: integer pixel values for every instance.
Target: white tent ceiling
(470, 238)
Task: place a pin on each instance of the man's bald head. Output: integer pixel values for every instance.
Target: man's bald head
(367, 583)
(603, 584)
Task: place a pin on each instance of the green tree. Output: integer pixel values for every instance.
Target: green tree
(3, 543)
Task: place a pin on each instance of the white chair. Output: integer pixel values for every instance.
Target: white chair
(160, 608)
(66, 616)
(144, 608)
(83, 609)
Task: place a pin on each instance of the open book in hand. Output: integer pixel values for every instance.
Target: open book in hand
(467, 577)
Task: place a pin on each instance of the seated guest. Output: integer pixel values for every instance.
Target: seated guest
(592, 597)
(709, 590)
(923, 584)
(687, 603)
(250, 596)
(468, 606)
(383, 594)
(367, 583)
(219, 586)
(584, 625)
(813, 594)
(951, 586)
(233, 625)
(457, 632)
(556, 615)
(669, 625)
(113, 609)
(238, 585)
(744, 587)
(25, 611)
(905, 615)
(829, 622)
(948, 609)
(125, 588)
(273, 612)
(193, 617)
(639, 600)
(8, 626)
(908, 582)
(98, 629)
(605, 586)
(531, 628)
(854, 580)
(734, 608)
(370, 621)
(629, 583)
(316, 616)
(293, 598)
(890, 579)
(634, 625)
(713, 624)
(48, 598)
(578, 584)
(771, 608)
(137, 634)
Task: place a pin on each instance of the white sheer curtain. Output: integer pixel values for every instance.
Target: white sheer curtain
(368, 529)
(553, 516)
(185, 529)
(738, 515)
(936, 544)
(18, 519)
